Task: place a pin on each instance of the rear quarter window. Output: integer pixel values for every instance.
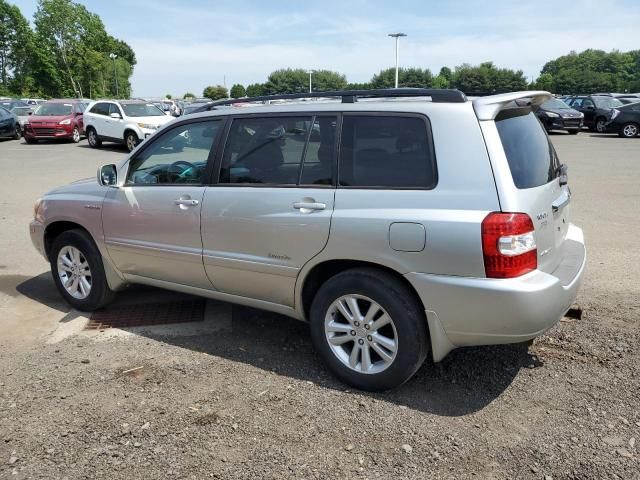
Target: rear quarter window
(532, 159)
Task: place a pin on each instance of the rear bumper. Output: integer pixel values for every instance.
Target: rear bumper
(482, 311)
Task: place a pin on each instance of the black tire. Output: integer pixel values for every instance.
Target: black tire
(131, 140)
(18, 133)
(600, 125)
(75, 135)
(402, 306)
(93, 138)
(629, 130)
(100, 294)
(30, 140)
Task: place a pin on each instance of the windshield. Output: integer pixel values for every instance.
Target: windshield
(21, 111)
(554, 104)
(54, 109)
(607, 102)
(141, 110)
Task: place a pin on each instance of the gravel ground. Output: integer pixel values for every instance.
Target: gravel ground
(255, 402)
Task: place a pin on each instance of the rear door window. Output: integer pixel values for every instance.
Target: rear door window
(379, 151)
(101, 108)
(532, 159)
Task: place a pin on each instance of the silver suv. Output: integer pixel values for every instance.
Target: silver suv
(398, 223)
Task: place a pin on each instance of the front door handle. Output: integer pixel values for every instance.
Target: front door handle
(186, 202)
(308, 207)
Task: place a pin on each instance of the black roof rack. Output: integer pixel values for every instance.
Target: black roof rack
(438, 95)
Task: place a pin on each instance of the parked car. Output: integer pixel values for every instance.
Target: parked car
(627, 99)
(55, 119)
(122, 121)
(625, 120)
(23, 114)
(557, 115)
(11, 103)
(9, 125)
(384, 231)
(193, 106)
(596, 109)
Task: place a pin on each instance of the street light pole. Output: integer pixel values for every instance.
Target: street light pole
(113, 56)
(310, 72)
(397, 37)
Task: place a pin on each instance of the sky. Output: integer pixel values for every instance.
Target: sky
(183, 46)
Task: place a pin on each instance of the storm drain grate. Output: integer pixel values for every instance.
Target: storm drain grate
(147, 314)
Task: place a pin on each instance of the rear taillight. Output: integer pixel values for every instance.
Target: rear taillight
(508, 245)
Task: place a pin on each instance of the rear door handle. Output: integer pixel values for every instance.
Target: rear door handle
(186, 202)
(306, 207)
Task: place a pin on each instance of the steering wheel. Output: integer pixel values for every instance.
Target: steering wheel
(184, 163)
(184, 167)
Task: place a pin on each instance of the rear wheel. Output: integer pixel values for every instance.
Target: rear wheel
(629, 130)
(369, 329)
(601, 125)
(18, 133)
(78, 272)
(92, 138)
(131, 140)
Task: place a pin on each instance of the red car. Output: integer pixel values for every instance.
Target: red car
(56, 119)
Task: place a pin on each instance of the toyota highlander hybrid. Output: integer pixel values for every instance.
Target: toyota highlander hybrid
(365, 215)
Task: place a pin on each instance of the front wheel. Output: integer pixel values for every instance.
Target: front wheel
(131, 140)
(629, 130)
(78, 272)
(75, 135)
(18, 133)
(369, 328)
(92, 138)
(601, 125)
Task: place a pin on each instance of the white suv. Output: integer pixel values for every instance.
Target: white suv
(128, 122)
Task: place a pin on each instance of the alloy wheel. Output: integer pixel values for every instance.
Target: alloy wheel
(361, 334)
(74, 272)
(92, 137)
(131, 142)
(76, 135)
(600, 128)
(630, 130)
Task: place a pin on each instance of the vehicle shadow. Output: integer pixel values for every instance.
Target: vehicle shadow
(466, 381)
(604, 135)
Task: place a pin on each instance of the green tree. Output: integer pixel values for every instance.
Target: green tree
(216, 92)
(15, 42)
(545, 82)
(168, 96)
(188, 95)
(486, 78)
(358, 86)
(407, 77)
(238, 91)
(289, 80)
(440, 82)
(255, 90)
(326, 80)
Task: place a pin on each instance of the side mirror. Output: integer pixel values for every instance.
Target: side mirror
(30, 113)
(108, 176)
(116, 116)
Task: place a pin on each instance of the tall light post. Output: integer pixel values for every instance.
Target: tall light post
(113, 57)
(397, 37)
(310, 72)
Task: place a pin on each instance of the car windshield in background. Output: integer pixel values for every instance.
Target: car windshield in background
(531, 157)
(54, 109)
(607, 102)
(21, 111)
(141, 110)
(193, 107)
(554, 104)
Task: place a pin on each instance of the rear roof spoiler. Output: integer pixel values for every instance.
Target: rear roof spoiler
(488, 107)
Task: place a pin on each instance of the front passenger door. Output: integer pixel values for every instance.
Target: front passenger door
(152, 223)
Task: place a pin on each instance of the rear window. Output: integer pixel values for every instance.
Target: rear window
(386, 151)
(532, 159)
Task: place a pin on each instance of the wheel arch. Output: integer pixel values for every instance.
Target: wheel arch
(56, 228)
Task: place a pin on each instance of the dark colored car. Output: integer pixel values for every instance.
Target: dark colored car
(555, 114)
(56, 119)
(625, 120)
(596, 110)
(9, 126)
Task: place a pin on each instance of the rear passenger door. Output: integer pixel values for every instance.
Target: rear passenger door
(270, 211)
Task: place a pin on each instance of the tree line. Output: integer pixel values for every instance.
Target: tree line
(68, 53)
(590, 71)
